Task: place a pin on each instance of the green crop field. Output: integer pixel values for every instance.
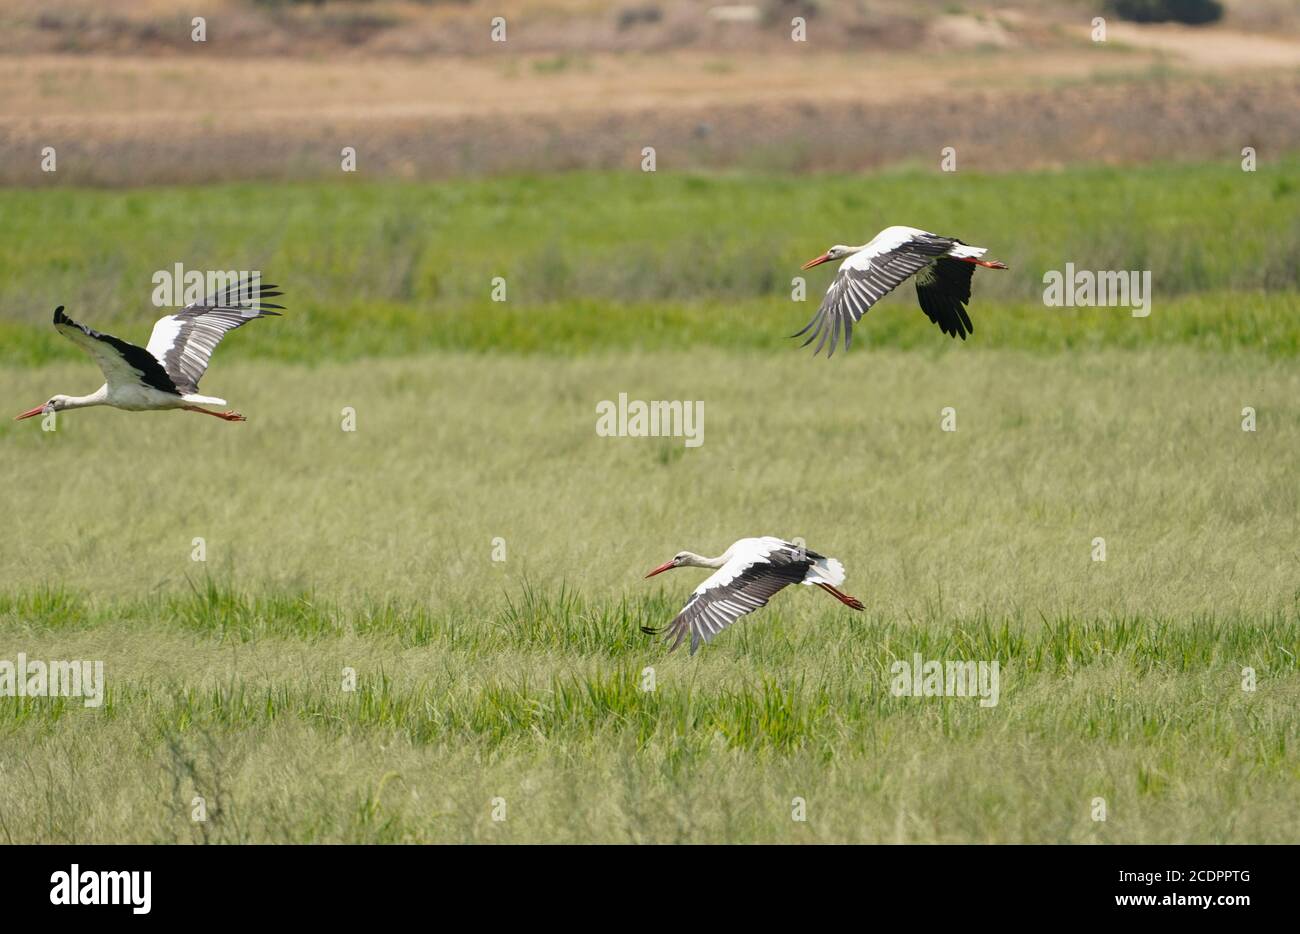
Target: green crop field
(474, 550)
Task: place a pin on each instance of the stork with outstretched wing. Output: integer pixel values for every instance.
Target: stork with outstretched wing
(165, 373)
(943, 267)
(746, 576)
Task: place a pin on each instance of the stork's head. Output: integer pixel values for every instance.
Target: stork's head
(56, 404)
(839, 251)
(681, 559)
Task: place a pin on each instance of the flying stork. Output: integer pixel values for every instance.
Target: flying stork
(165, 373)
(943, 267)
(748, 574)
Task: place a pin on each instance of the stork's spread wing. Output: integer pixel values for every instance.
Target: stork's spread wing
(943, 291)
(122, 363)
(742, 585)
(184, 342)
(866, 277)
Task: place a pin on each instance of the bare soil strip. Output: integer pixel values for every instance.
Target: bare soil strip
(1119, 123)
(1149, 93)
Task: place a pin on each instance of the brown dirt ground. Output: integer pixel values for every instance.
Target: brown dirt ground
(1151, 92)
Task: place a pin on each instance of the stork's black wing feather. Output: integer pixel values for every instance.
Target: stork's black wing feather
(943, 291)
(119, 360)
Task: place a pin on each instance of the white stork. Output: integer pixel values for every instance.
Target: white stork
(943, 267)
(748, 574)
(164, 374)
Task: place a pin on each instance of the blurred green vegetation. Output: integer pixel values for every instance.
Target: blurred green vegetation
(658, 260)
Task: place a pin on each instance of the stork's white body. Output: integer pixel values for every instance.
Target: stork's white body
(891, 238)
(134, 397)
(747, 552)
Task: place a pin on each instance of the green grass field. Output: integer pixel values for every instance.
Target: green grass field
(475, 421)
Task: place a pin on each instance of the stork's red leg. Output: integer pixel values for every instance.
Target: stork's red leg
(851, 602)
(986, 263)
(231, 416)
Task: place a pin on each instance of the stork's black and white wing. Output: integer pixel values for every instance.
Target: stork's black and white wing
(873, 272)
(943, 289)
(184, 342)
(744, 584)
(122, 363)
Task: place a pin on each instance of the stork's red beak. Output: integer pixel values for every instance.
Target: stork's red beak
(816, 262)
(30, 412)
(666, 566)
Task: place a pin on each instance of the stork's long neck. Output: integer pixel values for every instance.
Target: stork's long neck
(700, 561)
(98, 397)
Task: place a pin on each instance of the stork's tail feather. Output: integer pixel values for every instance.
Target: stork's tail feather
(971, 254)
(825, 571)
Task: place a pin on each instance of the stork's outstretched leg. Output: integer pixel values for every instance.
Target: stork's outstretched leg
(851, 602)
(231, 416)
(986, 263)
